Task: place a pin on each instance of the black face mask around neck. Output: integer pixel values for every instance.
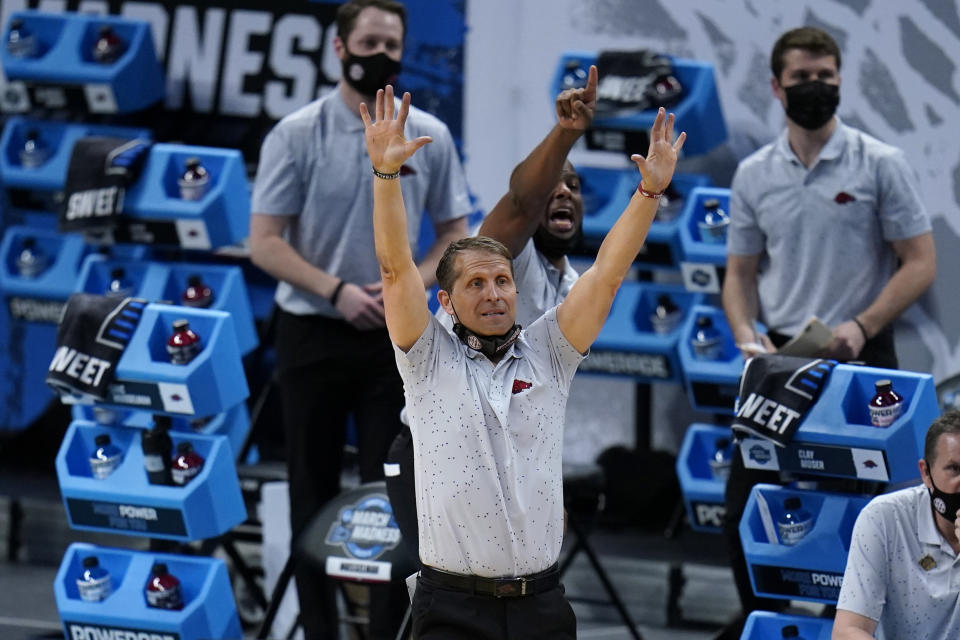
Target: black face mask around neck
(490, 346)
(946, 504)
(553, 247)
(369, 74)
(812, 104)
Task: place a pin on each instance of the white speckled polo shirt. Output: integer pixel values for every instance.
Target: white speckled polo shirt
(487, 443)
(885, 580)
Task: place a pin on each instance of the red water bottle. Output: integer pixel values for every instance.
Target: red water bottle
(186, 464)
(886, 405)
(184, 345)
(197, 294)
(108, 47)
(163, 590)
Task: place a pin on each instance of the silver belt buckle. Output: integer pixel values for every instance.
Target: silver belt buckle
(508, 587)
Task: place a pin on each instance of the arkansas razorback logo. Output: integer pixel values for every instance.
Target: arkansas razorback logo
(843, 198)
(520, 385)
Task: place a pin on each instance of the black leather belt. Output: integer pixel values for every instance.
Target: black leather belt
(496, 587)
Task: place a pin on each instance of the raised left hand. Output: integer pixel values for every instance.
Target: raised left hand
(386, 145)
(657, 168)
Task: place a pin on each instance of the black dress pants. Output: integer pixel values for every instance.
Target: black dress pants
(402, 491)
(328, 370)
(440, 613)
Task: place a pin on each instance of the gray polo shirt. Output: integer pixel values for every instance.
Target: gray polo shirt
(884, 579)
(823, 233)
(540, 286)
(314, 167)
(487, 442)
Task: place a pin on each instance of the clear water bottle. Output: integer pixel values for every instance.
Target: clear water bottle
(795, 523)
(574, 76)
(184, 345)
(109, 46)
(197, 294)
(21, 43)
(195, 180)
(34, 152)
(713, 227)
(31, 261)
(94, 581)
(119, 286)
(706, 341)
(163, 589)
(721, 459)
(666, 316)
(106, 458)
(886, 406)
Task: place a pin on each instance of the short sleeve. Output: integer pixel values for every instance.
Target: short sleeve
(448, 198)
(864, 590)
(744, 236)
(278, 188)
(548, 342)
(432, 353)
(524, 267)
(902, 213)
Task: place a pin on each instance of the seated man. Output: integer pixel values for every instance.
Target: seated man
(903, 570)
(486, 403)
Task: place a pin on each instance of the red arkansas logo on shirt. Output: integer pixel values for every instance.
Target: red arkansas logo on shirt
(520, 385)
(843, 198)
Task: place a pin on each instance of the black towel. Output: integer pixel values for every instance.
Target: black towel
(93, 332)
(776, 392)
(100, 171)
(632, 81)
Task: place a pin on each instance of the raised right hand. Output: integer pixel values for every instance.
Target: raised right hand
(575, 107)
(386, 145)
(360, 309)
(657, 167)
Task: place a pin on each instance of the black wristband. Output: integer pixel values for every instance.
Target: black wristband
(862, 329)
(336, 293)
(386, 176)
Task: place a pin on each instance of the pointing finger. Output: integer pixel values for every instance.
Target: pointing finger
(591, 89)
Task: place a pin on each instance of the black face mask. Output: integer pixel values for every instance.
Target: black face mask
(553, 247)
(812, 104)
(946, 504)
(490, 346)
(369, 74)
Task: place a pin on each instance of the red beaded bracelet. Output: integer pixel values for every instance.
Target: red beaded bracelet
(648, 194)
